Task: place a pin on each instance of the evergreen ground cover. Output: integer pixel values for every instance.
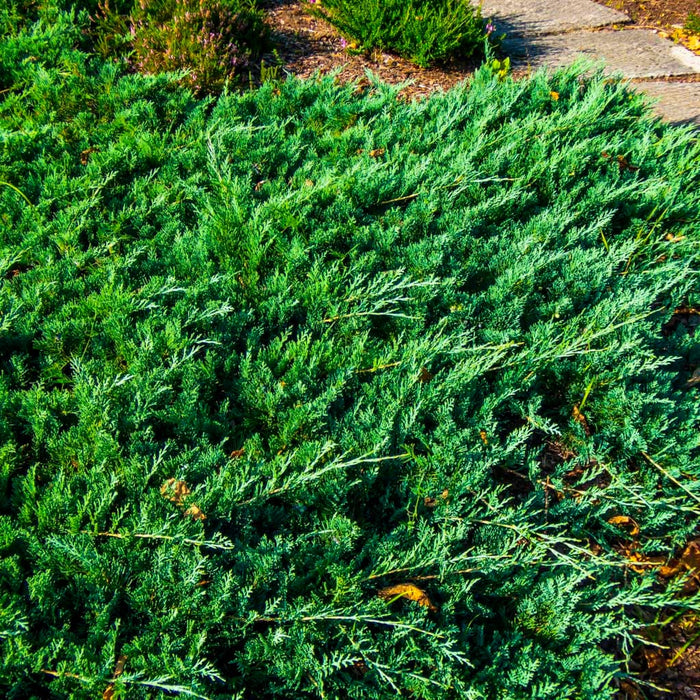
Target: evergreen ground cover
(309, 392)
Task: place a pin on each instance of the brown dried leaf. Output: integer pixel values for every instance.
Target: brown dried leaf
(195, 512)
(484, 437)
(624, 164)
(629, 690)
(410, 591)
(424, 376)
(376, 152)
(237, 453)
(654, 659)
(625, 522)
(85, 155)
(690, 558)
(175, 491)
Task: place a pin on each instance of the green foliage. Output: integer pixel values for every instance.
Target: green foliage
(500, 68)
(212, 39)
(425, 31)
(692, 23)
(356, 330)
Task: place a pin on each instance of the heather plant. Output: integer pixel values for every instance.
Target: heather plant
(213, 40)
(425, 31)
(309, 392)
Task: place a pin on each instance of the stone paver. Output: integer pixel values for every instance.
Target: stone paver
(638, 53)
(680, 102)
(530, 17)
(554, 33)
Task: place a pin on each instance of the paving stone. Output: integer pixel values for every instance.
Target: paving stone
(636, 53)
(679, 102)
(528, 17)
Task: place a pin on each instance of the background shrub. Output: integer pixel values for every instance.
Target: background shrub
(424, 31)
(213, 40)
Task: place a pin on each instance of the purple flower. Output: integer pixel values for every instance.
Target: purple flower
(490, 29)
(343, 42)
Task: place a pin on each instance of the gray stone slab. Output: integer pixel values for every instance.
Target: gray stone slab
(679, 102)
(532, 17)
(636, 53)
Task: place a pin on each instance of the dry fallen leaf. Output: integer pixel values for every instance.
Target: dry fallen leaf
(673, 238)
(85, 155)
(376, 152)
(424, 376)
(625, 522)
(410, 591)
(484, 437)
(689, 561)
(195, 512)
(639, 562)
(175, 491)
(654, 659)
(629, 690)
(554, 95)
(430, 502)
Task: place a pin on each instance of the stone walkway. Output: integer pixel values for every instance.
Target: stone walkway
(547, 33)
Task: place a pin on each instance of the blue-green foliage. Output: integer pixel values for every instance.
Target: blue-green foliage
(356, 329)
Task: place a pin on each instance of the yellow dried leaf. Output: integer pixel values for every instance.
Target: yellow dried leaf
(195, 512)
(376, 152)
(673, 238)
(626, 522)
(693, 43)
(410, 591)
(554, 95)
(484, 437)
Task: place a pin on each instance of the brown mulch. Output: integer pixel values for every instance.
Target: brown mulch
(656, 14)
(306, 45)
